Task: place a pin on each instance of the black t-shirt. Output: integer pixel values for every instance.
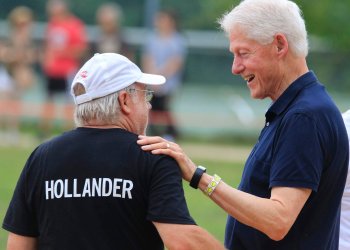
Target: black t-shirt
(96, 189)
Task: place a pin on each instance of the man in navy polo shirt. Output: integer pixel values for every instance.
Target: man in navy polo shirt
(291, 188)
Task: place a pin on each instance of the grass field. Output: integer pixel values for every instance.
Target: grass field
(11, 164)
(202, 209)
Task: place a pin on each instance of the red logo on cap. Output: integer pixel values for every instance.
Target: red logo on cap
(83, 74)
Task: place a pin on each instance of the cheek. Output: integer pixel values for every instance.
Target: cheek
(143, 110)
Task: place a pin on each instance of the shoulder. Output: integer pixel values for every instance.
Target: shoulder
(129, 140)
(152, 160)
(55, 143)
(150, 164)
(152, 37)
(75, 20)
(315, 103)
(180, 36)
(178, 39)
(325, 120)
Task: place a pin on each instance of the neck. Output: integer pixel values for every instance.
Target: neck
(166, 33)
(295, 69)
(101, 126)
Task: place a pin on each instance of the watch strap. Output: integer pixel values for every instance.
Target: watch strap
(200, 170)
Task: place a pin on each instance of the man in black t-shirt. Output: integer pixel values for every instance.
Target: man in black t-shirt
(93, 187)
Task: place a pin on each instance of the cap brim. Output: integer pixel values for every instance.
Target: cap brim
(151, 79)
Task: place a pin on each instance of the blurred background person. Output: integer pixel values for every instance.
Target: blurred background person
(344, 235)
(6, 91)
(18, 54)
(20, 50)
(6, 84)
(110, 37)
(165, 53)
(65, 45)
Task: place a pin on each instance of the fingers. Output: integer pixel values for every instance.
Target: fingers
(168, 152)
(158, 145)
(154, 146)
(144, 140)
(151, 143)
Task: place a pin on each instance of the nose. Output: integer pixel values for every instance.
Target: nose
(237, 66)
(149, 105)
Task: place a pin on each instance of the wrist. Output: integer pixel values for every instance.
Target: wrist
(197, 175)
(204, 182)
(215, 181)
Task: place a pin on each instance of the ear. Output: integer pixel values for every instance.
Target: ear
(125, 102)
(281, 44)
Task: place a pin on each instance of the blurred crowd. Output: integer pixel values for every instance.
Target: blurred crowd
(54, 60)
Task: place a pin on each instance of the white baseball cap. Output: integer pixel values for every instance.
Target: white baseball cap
(108, 73)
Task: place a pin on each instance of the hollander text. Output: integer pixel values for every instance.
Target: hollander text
(93, 187)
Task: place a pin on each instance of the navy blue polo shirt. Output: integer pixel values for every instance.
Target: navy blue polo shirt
(303, 144)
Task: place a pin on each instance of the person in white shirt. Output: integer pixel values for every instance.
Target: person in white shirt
(344, 236)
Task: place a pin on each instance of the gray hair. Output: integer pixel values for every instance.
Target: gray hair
(100, 111)
(261, 20)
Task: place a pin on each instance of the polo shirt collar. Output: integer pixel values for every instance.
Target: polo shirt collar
(281, 104)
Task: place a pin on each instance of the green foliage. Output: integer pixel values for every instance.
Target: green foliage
(200, 14)
(132, 10)
(327, 19)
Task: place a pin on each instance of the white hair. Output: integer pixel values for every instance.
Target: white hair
(262, 19)
(100, 111)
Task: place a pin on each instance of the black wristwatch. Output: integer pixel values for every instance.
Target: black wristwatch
(200, 170)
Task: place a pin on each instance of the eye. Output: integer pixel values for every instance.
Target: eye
(244, 54)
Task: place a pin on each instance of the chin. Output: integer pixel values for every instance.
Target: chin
(257, 96)
(254, 95)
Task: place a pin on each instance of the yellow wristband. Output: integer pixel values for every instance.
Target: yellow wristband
(212, 185)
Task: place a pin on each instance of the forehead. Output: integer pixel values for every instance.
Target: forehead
(239, 40)
(139, 85)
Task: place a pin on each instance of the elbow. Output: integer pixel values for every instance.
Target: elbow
(193, 239)
(178, 244)
(277, 235)
(278, 230)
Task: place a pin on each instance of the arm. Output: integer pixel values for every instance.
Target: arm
(148, 64)
(273, 216)
(18, 242)
(176, 236)
(172, 66)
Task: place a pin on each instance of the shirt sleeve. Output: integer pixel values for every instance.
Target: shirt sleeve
(181, 47)
(167, 203)
(298, 157)
(20, 217)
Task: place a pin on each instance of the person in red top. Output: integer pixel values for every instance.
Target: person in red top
(65, 44)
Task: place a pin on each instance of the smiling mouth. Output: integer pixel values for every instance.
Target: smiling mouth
(249, 78)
